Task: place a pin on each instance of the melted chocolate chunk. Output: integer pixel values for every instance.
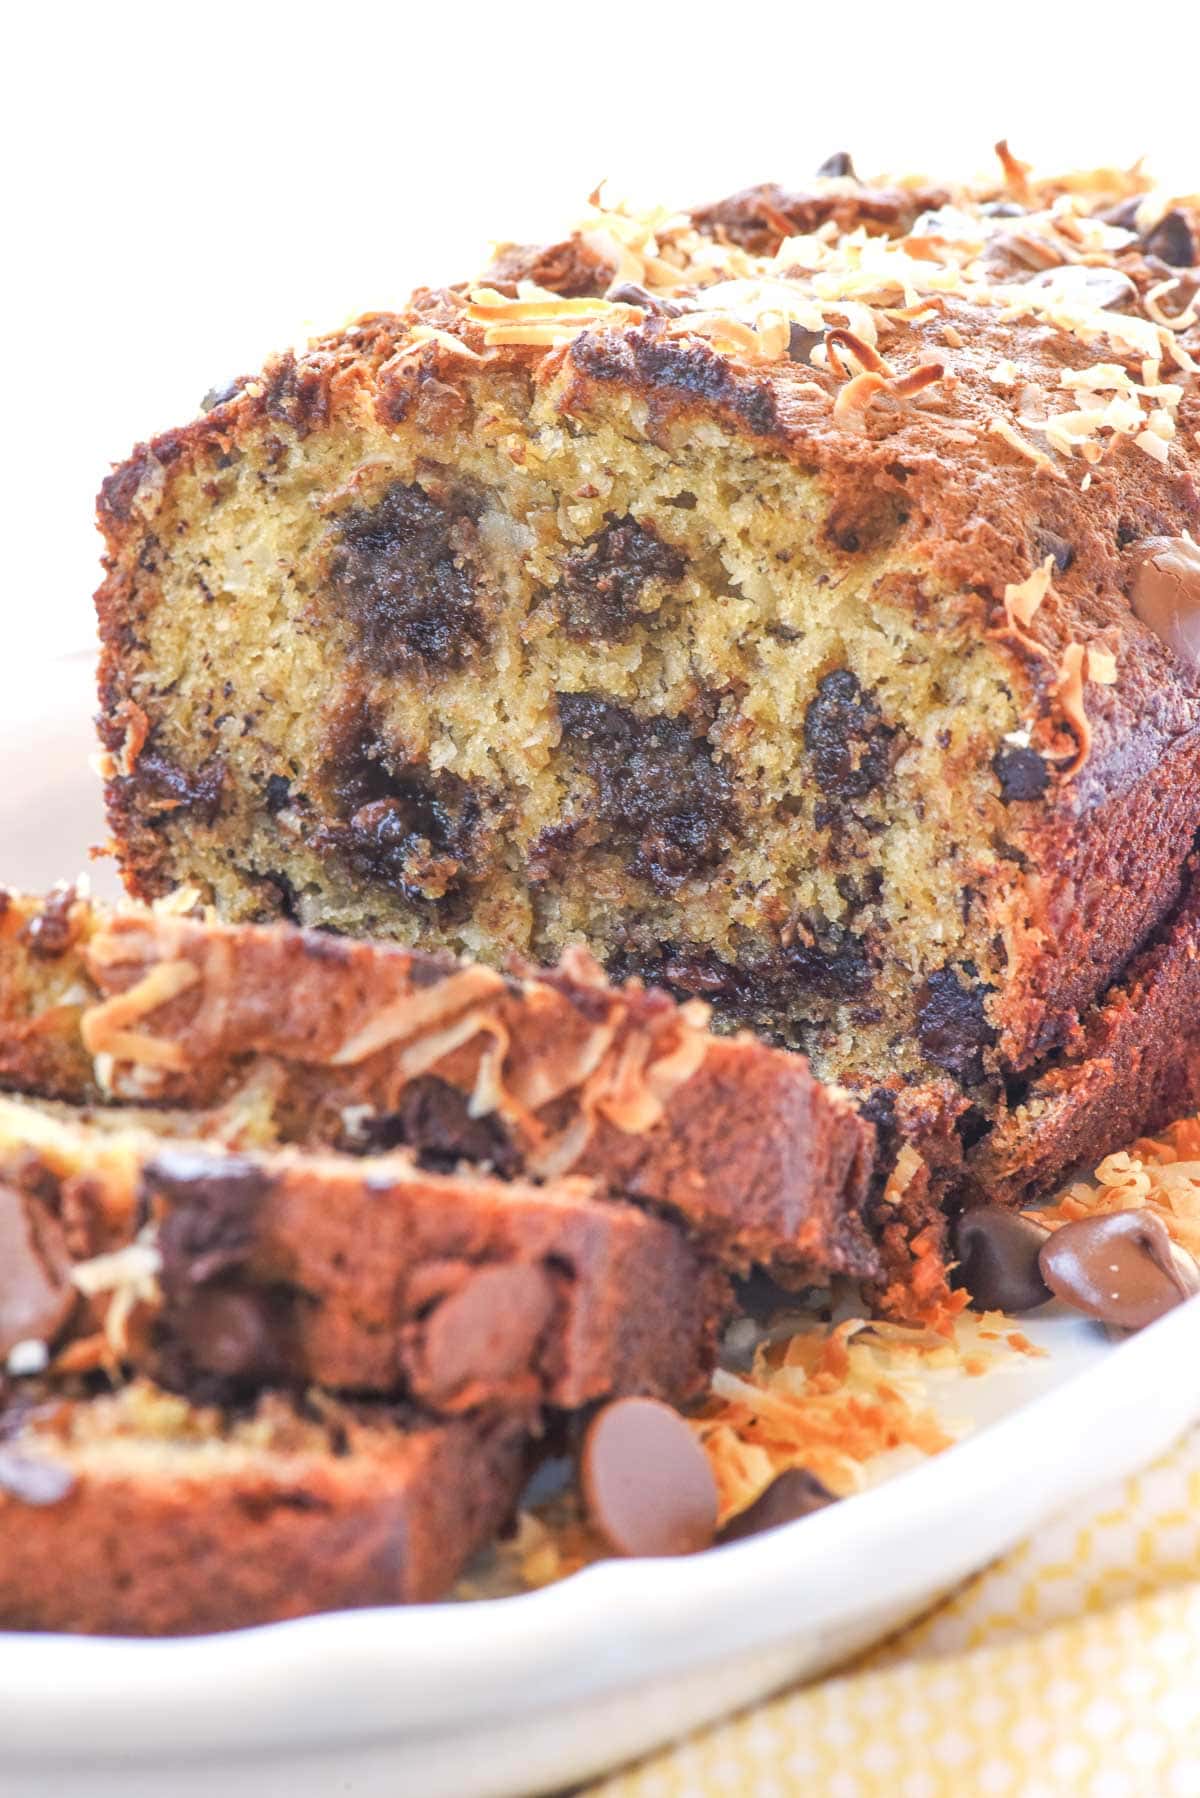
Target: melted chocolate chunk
(402, 573)
(434, 1119)
(647, 1483)
(228, 1333)
(1022, 773)
(1172, 240)
(835, 966)
(952, 1026)
(603, 581)
(400, 825)
(209, 1203)
(163, 787)
(658, 787)
(850, 745)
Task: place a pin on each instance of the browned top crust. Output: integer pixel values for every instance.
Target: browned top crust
(1015, 363)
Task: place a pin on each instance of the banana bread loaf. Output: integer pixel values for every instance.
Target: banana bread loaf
(136, 1513)
(368, 1045)
(794, 600)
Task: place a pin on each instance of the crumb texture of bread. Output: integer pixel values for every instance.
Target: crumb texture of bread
(139, 1514)
(752, 605)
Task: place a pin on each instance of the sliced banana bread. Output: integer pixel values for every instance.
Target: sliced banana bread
(137, 1513)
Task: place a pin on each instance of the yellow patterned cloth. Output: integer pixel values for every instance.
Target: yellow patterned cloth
(1068, 1669)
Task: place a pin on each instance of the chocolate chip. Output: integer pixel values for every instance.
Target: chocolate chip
(791, 1494)
(1002, 209)
(31, 1481)
(602, 581)
(802, 342)
(402, 572)
(647, 1483)
(232, 1332)
(210, 1201)
(278, 793)
(1123, 214)
(1172, 240)
(1022, 773)
(434, 1119)
(1122, 1268)
(1049, 543)
(838, 166)
(36, 1294)
(844, 734)
(486, 1331)
(997, 1252)
(1165, 593)
(952, 1025)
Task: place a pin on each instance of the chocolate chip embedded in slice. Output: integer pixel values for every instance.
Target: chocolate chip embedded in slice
(1165, 593)
(791, 1494)
(997, 1253)
(486, 1332)
(838, 166)
(952, 1025)
(1022, 773)
(1122, 1268)
(36, 1294)
(647, 1483)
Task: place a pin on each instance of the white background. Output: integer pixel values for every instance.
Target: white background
(191, 186)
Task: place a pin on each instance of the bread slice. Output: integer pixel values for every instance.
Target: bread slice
(763, 606)
(139, 1514)
(370, 1044)
(370, 1275)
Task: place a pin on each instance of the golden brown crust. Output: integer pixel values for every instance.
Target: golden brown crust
(175, 1545)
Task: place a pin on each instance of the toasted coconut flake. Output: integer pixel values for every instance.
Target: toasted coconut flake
(105, 1027)
(418, 1011)
(854, 398)
(867, 357)
(1000, 427)
(1078, 665)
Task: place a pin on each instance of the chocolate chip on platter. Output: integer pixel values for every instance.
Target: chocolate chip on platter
(1120, 1267)
(647, 1483)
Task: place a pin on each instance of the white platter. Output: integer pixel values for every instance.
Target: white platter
(523, 1695)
